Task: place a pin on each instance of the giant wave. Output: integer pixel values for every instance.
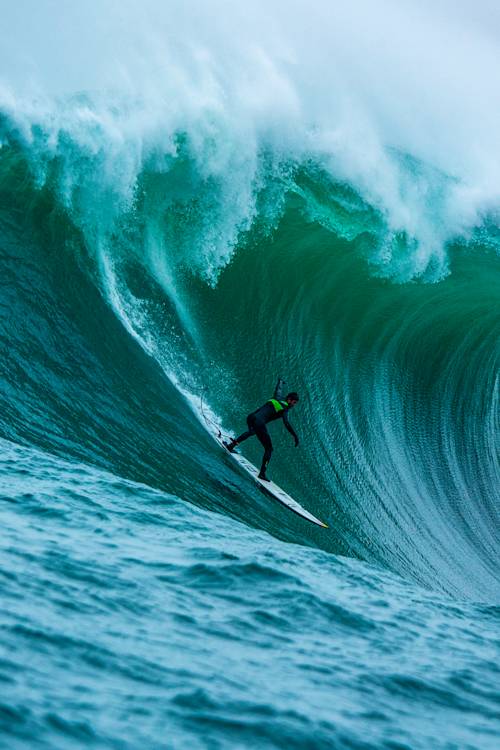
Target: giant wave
(195, 227)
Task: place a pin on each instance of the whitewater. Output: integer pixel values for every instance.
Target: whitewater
(197, 198)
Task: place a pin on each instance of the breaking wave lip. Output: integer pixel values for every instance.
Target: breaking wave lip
(102, 151)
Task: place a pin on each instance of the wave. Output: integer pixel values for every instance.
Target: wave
(399, 381)
(172, 224)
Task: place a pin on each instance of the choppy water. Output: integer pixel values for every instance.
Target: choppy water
(132, 619)
(174, 227)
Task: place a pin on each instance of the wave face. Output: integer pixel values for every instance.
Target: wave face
(399, 382)
(177, 229)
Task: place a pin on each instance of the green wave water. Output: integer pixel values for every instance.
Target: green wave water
(159, 250)
(399, 381)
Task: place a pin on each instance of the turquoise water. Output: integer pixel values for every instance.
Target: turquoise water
(174, 228)
(133, 619)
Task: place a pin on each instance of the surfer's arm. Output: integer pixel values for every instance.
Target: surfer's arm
(290, 428)
(278, 391)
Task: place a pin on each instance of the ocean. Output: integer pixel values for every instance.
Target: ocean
(196, 199)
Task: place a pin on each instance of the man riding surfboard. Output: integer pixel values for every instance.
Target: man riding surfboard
(276, 407)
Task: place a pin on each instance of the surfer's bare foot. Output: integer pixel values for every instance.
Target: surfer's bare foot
(230, 446)
(263, 476)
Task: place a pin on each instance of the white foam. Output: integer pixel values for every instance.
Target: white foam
(352, 85)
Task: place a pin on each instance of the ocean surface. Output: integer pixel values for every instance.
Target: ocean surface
(212, 199)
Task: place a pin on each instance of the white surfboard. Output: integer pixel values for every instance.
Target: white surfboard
(269, 488)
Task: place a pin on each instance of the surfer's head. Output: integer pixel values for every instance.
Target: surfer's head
(292, 398)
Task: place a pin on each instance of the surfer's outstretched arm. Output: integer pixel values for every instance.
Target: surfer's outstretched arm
(290, 429)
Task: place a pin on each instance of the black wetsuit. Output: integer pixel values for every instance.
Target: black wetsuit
(258, 419)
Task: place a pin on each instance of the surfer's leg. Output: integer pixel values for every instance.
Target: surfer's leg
(232, 445)
(244, 436)
(265, 439)
(251, 431)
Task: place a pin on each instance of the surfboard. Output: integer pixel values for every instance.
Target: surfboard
(268, 488)
(214, 429)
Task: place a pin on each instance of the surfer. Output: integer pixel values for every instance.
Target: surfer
(276, 408)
